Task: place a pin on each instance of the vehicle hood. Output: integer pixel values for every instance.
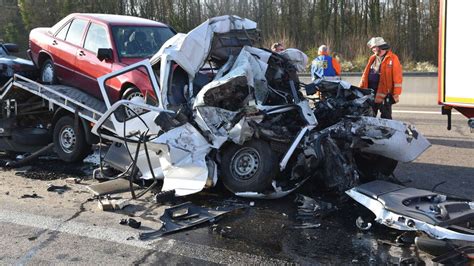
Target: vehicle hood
(13, 60)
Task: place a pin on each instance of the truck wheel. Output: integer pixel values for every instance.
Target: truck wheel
(48, 74)
(133, 94)
(69, 141)
(248, 168)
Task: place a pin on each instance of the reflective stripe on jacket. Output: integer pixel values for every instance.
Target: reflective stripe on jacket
(325, 66)
(390, 76)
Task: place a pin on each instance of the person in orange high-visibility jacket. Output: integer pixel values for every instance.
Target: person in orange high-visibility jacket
(383, 74)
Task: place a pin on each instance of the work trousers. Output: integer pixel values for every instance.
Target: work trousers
(384, 108)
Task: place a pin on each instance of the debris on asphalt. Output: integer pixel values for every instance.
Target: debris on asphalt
(32, 196)
(109, 204)
(458, 256)
(307, 226)
(72, 180)
(120, 203)
(183, 216)
(22, 170)
(105, 205)
(57, 189)
(134, 223)
(309, 207)
(28, 158)
(165, 196)
(309, 211)
(406, 238)
(130, 222)
(362, 224)
(118, 185)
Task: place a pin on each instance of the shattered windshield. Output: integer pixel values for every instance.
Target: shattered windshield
(139, 42)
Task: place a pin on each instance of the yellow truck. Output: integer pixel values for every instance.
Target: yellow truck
(456, 59)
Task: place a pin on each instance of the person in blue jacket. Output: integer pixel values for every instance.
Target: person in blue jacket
(325, 66)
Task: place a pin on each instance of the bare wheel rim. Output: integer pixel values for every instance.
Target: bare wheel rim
(67, 139)
(245, 163)
(133, 110)
(48, 73)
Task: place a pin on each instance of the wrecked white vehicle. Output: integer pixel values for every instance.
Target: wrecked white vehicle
(411, 209)
(232, 112)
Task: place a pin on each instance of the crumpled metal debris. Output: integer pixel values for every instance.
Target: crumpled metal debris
(411, 209)
(458, 256)
(130, 222)
(32, 196)
(309, 210)
(363, 225)
(185, 215)
(57, 189)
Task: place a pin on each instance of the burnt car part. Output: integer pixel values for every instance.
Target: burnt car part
(410, 209)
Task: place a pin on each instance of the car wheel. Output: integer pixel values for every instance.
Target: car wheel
(248, 167)
(48, 74)
(70, 141)
(135, 95)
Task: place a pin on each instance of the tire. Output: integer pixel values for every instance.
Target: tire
(133, 93)
(48, 73)
(70, 141)
(248, 168)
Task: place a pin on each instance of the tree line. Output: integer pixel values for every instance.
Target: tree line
(409, 26)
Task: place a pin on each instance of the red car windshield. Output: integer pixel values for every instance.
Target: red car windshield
(139, 42)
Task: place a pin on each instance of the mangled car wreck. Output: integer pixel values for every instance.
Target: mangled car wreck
(227, 110)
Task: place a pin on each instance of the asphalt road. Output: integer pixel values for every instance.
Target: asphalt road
(69, 228)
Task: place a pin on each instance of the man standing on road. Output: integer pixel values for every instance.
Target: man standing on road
(325, 66)
(383, 74)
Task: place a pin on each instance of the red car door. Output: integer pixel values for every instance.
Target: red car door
(90, 67)
(64, 48)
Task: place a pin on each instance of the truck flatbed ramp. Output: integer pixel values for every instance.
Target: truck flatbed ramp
(69, 98)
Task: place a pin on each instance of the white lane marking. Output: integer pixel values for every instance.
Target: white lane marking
(171, 246)
(422, 112)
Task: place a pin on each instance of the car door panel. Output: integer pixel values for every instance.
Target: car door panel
(86, 59)
(68, 51)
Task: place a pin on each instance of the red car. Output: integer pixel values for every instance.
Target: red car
(69, 53)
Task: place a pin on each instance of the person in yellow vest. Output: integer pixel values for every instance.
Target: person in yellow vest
(384, 75)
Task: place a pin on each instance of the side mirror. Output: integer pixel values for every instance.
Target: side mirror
(11, 47)
(105, 53)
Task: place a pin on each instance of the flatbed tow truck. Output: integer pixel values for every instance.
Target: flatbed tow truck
(36, 116)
